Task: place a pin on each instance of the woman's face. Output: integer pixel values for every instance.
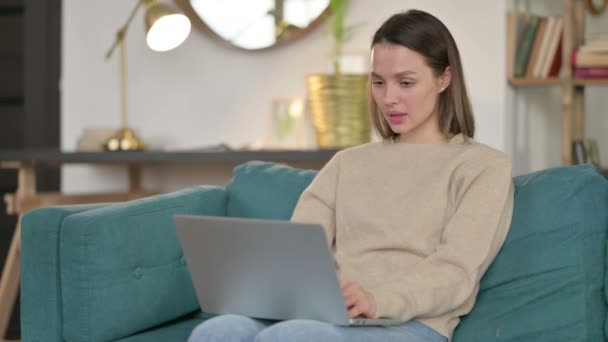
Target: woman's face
(406, 92)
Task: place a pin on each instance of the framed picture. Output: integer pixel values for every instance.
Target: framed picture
(287, 124)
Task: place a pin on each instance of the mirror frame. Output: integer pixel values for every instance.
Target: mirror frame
(198, 22)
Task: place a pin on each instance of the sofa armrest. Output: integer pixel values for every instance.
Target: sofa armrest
(122, 268)
(40, 288)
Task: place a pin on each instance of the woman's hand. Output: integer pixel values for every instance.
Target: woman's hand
(358, 301)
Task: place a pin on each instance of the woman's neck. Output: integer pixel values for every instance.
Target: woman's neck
(438, 138)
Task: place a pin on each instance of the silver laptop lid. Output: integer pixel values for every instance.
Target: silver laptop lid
(261, 268)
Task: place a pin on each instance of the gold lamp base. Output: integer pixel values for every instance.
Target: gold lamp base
(124, 140)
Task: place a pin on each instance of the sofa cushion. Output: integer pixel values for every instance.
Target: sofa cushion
(546, 283)
(266, 190)
(122, 268)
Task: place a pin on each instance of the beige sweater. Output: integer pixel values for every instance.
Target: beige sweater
(416, 225)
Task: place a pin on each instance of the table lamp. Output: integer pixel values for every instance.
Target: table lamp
(166, 29)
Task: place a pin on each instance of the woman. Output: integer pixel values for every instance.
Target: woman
(414, 220)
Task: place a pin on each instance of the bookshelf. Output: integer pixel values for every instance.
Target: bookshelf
(585, 82)
(554, 81)
(572, 16)
(534, 82)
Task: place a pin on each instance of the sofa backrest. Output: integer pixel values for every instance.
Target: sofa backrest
(546, 283)
(266, 190)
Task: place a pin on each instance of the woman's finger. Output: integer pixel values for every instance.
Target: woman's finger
(354, 311)
(350, 301)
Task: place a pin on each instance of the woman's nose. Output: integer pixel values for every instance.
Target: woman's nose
(390, 95)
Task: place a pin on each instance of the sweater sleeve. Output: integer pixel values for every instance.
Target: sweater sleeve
(470, 241)
(318, 201)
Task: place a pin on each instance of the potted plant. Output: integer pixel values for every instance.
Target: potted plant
(338, 101)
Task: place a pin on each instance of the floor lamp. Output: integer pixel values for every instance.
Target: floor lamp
(166, 29)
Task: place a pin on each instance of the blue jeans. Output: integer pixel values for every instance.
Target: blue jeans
(234, 328)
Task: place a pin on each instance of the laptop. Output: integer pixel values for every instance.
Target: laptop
(275, 270)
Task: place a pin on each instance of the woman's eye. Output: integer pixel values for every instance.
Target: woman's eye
(406, 83)
(377, 83)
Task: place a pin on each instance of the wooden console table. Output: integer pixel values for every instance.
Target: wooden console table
(27, 198)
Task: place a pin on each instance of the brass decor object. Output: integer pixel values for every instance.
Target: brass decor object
(596, 9)
(166, 29)
(338, 101)
(339, 109)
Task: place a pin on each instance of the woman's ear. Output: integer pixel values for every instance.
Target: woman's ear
(445, 79)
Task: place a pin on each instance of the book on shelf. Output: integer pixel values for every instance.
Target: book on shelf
(586, 152)
(554, 61)
(579, 155)
(525, 44)
(591, 72)
(596, 43)
(534, 58)
(534, 45)
(595, 48)
(589, 59)
(538, 63)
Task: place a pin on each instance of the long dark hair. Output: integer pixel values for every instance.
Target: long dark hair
(422, 32)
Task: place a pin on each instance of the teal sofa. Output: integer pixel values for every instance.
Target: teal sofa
(115, 272)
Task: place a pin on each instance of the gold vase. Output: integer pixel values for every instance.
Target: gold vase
(339, 109)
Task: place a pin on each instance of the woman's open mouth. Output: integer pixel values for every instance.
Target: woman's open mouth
(397, 118)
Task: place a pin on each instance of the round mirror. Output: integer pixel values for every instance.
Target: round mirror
(255, 24)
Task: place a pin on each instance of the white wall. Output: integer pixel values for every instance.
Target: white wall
(205, 93)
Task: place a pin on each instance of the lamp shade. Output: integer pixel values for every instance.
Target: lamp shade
(166, 28)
